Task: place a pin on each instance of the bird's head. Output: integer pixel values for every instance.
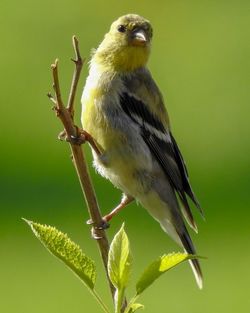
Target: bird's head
(127, 44)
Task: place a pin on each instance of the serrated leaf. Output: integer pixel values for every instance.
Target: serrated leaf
(160, 266)
(134, 307)
(119, 260)
(60, 245)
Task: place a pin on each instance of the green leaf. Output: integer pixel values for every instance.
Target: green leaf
(160, 266)
(119, 260)
(133, 307)
(60, 245)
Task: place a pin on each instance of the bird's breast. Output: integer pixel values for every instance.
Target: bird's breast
(126, 160)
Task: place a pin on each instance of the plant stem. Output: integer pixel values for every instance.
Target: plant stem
(119, 295)
(66, 115)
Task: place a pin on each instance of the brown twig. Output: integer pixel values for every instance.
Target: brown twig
(78, 63)
(66, 115)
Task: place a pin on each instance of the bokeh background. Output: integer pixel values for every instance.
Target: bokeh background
(200, 59)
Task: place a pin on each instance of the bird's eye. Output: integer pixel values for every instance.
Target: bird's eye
(121, 28)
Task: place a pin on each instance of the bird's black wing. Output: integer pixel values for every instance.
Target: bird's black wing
(164, 148)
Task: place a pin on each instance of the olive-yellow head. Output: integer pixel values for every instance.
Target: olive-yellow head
(126, 46)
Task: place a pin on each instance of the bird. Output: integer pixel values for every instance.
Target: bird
(124, 114)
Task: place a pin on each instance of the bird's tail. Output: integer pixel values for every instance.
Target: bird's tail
(172, 223)
(183, 239)
(195, 265)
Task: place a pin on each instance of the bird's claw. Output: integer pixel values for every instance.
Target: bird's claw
(89, 222)
(102, 226)
(78, 139)
(95, 228)
(94, 234)
(62, 136)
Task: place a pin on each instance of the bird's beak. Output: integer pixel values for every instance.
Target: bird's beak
(139, 38)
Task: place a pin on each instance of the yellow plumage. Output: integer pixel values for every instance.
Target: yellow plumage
(124, 112)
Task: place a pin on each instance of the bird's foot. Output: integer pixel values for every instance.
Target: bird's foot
(95, 230)
(102, 226)
(94, 234)
(62, 136)
(80, 137)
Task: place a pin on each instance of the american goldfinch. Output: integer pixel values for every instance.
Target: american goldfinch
(124, 113)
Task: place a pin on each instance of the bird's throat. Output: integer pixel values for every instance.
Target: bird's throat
(122, 59)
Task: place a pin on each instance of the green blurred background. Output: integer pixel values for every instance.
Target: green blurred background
(201, 61)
